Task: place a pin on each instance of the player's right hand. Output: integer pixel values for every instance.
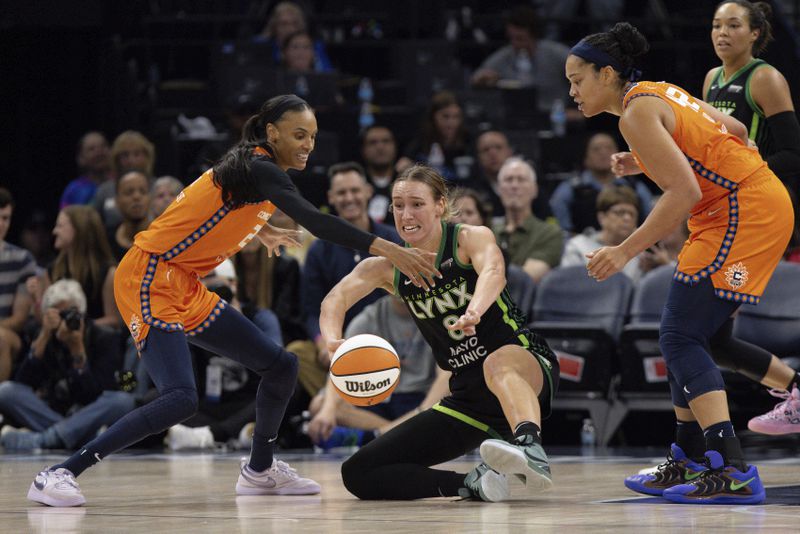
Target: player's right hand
(321, 425)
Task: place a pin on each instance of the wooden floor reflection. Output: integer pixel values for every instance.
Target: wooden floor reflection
(195, 493)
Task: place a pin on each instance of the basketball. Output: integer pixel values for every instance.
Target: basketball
(365, 369)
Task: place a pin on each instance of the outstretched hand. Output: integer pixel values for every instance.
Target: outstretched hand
(273, 238)
(466, 323)
(418, 265)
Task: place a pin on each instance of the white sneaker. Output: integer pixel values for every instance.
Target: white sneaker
(56, 488)
(279, 479)
(183, 437)
(528, 462)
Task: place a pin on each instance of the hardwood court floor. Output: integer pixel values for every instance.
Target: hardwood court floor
(194, 493)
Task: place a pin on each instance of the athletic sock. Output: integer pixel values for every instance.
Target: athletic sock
(689, 437)
(261, 453)
(80, 461)
(720, 437)
(528, 433)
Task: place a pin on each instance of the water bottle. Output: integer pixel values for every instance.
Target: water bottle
(365, 92)
(524, 67)
(301, 87)
(558, 118)
(588, 434)
(365, 117)
(213, 382)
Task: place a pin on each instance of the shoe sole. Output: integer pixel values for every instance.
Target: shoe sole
(249, 490)
(756, 498)
(774, 430)
(37, 496)
(496, 489)
(510, 460)
(639, 488)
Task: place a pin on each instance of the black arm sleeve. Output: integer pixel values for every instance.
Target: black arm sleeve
(785, 130)
(276, 186)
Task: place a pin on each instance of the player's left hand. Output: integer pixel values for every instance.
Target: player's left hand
(466, 323)
(606, 262)
(273, 238)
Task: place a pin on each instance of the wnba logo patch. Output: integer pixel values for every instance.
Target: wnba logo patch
(736, 275)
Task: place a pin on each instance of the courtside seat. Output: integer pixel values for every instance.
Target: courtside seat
(581, 320)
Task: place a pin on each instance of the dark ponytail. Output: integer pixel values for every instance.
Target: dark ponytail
(623, 43)
(758, 15)
(232, 171)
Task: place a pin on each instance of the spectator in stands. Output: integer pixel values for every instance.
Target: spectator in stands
(525, 239)
(36, 237)
(286, 19)
(133, 202)
(470, 207)
(527, 61)
(443, 142)
(493, 150)
(665, 251)
(227, 410)
(130, 151)
(165, 189)
(271, 283)
(574, 201)
(379, 154)
(618, 213)
(66, 388)
(94, 162)
(297, 52)
(16, 266)
(327, 263)
(418, 388)
(84, 255)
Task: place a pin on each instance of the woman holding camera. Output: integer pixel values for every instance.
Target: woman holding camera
(69, 349)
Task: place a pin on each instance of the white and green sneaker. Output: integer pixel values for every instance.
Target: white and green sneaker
(527, 461)
(486, 484)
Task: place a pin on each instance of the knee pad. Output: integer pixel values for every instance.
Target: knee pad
(694, 370)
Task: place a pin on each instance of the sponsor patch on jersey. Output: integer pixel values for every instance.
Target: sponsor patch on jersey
(735, 88)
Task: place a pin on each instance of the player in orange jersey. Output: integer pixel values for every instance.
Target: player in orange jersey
(740, 222)
(159, 295)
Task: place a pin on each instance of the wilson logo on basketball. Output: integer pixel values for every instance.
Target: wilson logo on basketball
(364, 370)
(366, 386)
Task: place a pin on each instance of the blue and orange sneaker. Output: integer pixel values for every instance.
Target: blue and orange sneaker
(720, 484)
(678, 469)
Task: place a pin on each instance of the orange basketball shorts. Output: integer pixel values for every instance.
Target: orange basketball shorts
(152, 292)
(739, 240)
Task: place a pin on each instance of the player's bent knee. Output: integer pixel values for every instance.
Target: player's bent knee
(354, 478)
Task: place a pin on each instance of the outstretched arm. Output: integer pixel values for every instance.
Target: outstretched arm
(481, 248)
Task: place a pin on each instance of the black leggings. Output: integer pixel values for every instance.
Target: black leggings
(397, 464)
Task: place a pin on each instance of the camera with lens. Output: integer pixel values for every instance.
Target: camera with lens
(72, 318)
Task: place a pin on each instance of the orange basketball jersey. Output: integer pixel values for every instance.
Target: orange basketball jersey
(740, 227)
(198, 232)
(157, 283)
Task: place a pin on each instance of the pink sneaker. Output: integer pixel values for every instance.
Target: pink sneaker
(783, 419)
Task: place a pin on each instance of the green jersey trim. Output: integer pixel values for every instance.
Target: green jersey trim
(467, 266)
(752, 103)
(720, 78)
(468, 420)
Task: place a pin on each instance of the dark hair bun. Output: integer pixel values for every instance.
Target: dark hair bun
(765, 9)
(631, 41)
